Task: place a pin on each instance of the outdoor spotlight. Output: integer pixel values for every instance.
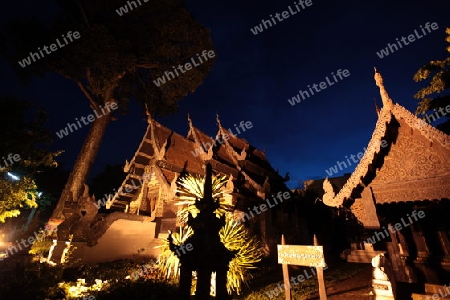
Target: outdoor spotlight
(14, 177)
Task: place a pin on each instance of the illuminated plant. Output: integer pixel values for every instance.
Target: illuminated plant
(41, 245)
(233, 235)
(190, 188)
(16, 194)
(78, 289)
(168, 262)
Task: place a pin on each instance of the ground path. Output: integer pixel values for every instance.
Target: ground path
(357, 287)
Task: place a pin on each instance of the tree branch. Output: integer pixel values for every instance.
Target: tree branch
(94, 104)
(88, 75)
(146, 66)
(84, 14)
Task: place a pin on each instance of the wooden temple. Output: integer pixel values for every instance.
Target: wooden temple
(410, 173)
(149, 189)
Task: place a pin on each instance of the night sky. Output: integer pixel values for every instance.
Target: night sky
(255, 75)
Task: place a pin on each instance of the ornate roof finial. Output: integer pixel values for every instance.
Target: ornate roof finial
(191, 127)
(387, 101)
(218, 120)
(329, 194)
(147, 112)
(377, 109)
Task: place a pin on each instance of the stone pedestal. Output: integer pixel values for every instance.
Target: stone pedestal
(383, 288)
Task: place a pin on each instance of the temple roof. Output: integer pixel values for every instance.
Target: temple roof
(415, 152)
(174, 153)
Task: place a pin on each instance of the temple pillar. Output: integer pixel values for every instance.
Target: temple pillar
(404, 250)
(404, 256)
(422, 261)
(423, 252)
(445, 244)
(397, 260)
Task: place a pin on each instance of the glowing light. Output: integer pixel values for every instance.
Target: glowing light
(79, 289)
(39, 194)
(14, 177)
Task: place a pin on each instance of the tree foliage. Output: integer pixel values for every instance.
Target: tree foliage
(22, 134)
(117, 56)
(115, 59)
(437, 93)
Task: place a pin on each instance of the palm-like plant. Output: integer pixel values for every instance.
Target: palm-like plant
(168, 263)
(233, 235)
(190, 189)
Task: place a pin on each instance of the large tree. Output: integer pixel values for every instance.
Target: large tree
(115, 59)
(436, 95)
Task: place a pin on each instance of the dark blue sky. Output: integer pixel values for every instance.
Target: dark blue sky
(255, 75)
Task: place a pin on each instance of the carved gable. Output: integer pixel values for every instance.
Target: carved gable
(414, 165)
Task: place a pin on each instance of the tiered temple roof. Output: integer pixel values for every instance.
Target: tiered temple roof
(413, 166)
(174, 154)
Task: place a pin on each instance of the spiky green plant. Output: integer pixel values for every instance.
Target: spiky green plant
(235, 237)
(168, 263)
(190, 188)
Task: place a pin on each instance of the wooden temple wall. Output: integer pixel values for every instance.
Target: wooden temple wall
(419, 248)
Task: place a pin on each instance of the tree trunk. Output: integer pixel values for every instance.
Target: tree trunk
(75, 184)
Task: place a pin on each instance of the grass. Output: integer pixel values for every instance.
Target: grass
(270, 283)
(41, 281)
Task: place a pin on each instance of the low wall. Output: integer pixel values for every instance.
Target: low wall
(123, 239)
